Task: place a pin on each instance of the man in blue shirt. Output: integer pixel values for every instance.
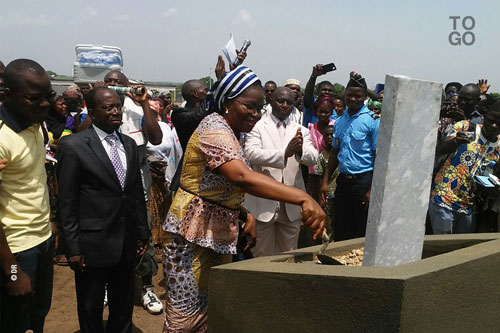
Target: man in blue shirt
(354, 144)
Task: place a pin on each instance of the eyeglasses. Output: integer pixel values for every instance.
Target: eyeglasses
(112, 108)
(37, 99)
(256, 108)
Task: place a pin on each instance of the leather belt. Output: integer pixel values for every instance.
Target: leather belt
(355, 176)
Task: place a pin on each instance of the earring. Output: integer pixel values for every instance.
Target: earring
(227, 111)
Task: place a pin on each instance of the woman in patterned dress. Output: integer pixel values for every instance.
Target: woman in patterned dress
(202, 223)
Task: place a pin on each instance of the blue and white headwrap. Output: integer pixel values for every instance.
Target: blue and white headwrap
(231, 86)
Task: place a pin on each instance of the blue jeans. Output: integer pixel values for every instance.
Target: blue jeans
(445, 221)
(20, 313)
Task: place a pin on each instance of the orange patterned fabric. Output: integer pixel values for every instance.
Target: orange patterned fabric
(453, 186)
(206, 207)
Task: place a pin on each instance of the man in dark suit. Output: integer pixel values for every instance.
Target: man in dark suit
(103, 213)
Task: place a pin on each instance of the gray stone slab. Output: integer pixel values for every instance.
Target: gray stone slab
(403, 171)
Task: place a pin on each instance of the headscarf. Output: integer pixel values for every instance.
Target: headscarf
(232, 84)
(57, 123)
(325, 100)
(165, 94)
(377, 103)
(159, 100)
(72, 92)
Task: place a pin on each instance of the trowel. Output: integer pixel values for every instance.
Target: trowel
(322, 257)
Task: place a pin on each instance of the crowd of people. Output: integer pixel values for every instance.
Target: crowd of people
(112, 184)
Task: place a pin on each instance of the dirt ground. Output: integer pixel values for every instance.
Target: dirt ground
(63, 318)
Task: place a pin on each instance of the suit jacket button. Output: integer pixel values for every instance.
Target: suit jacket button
(124, 196)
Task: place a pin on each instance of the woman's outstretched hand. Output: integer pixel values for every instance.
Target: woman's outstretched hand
(250, 230)
(313, 217)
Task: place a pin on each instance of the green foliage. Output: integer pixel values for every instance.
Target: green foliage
(495, 95)
(51, 73)
(338, 89)
(208, 81)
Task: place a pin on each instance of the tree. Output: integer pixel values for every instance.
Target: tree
(51, 73)
(338, 89)
(208, 81)
(495, 96)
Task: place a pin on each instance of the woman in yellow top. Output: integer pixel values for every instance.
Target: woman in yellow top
(202, 223)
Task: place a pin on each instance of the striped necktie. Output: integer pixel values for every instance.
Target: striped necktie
(115, 159)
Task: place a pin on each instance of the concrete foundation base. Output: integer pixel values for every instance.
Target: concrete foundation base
(456, 287)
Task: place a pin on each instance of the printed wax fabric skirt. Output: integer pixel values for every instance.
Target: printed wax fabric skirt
(159, 200)
(186, 268)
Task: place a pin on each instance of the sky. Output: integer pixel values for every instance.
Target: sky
(179, 40)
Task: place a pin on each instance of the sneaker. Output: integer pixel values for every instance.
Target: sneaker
(105, 296)
(150, 301)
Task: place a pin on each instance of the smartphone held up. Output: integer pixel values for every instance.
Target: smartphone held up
(328, 68)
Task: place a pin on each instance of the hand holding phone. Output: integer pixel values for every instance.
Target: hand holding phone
(320, 69)
(328, 68)
(470, 135)
(463, 137)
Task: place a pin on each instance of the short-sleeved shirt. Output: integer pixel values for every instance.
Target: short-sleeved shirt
(356, 137)
(206, 207)
(452, 187)
(132, 121)
(24, 196)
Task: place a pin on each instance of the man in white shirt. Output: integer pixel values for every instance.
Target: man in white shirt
(276, 147)
(294, 86)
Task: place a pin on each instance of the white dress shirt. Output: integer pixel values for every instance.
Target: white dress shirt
(281, 128)
(295, 115)
(107, 146)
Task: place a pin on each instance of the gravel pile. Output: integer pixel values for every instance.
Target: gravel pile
(353, 258)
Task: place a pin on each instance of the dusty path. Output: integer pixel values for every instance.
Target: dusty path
(63, 318)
